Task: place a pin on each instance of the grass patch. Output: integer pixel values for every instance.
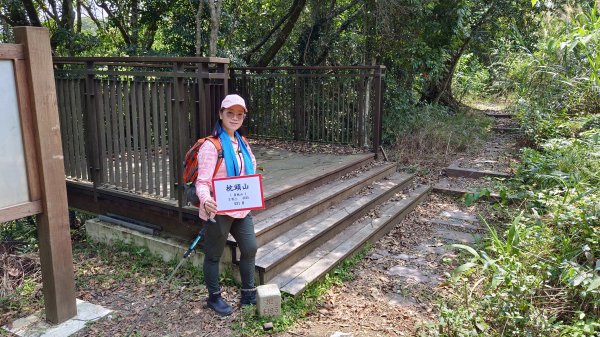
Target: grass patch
(431, 134)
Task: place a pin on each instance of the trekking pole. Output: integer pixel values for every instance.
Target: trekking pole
(189, 252)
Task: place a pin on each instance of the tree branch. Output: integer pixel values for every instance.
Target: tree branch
(248, 55)
(339, 31)
(34, 19)
(283, 35)
(92, 16)
(117, 22)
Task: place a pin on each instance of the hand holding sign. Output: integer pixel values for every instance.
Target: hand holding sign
(239, 193)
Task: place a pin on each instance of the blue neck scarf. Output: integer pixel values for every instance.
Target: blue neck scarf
(229, 155)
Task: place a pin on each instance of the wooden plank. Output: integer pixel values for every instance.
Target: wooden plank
(70, 129)
(10, 51)
(155, 138)
(277, 196)
(127, 92)
(135, 108)
(101, 122)
(27, 126)
(75, 128)
(114, 107)
(84, 160)
(21, 210)
(148, 145)
(53, 228)
(171, 129)
(121, 123)
(163, 138)
(109, 128)
(143, 105)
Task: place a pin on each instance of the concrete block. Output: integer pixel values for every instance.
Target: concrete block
(268, 300)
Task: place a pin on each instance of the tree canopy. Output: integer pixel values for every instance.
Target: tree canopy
(419, 41)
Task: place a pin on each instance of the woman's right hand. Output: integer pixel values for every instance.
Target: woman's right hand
(210, 206)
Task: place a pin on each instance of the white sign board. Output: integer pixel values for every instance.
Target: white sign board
(239, 193)
(14, 188)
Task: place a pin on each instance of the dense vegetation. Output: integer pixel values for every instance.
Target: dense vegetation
(538, 274)
(424, 44)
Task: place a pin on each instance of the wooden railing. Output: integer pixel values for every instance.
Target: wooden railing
(340, 105)
(126, 123)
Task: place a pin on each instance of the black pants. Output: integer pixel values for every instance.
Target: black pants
(216, 239)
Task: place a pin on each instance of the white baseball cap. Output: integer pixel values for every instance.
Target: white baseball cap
(231, 100)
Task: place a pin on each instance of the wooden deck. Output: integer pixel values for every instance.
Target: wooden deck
(285, 175)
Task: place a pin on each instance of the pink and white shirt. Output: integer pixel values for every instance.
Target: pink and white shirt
(207, 160)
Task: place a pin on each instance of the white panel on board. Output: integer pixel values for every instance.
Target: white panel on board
(14, 189)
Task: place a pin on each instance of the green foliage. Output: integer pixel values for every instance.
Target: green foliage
(539, 275)
(472, 78)
(559, 80)
(23, 232)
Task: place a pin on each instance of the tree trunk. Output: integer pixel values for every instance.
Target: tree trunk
(79, 24)
(135, 30)
(439, 91)
(215, 20)
(199, 28)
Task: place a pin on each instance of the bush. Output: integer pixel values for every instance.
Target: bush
(539, 275)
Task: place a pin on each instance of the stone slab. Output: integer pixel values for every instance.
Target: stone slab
(35, 326)
(460, 215)
(453, 236)
(268, 300)
(461, 226)
(409, 273)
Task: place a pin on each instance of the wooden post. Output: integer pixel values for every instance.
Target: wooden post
(299, 107)
(378, 88)
(92, 140)
(177, 143)
(53, 228)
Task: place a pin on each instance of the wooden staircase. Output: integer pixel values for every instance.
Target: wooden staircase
(301, 238)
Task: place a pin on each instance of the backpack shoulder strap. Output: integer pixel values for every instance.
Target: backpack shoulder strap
(217, 143)
(245, 140)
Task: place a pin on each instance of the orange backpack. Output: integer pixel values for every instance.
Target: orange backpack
(190, 167)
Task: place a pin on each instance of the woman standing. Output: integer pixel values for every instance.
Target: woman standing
(238, 160)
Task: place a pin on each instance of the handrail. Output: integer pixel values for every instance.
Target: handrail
(129, 59)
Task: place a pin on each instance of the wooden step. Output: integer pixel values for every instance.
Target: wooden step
(282, 217)
(291, 246)
(455, 171)
(316, 264)
(298, 184)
